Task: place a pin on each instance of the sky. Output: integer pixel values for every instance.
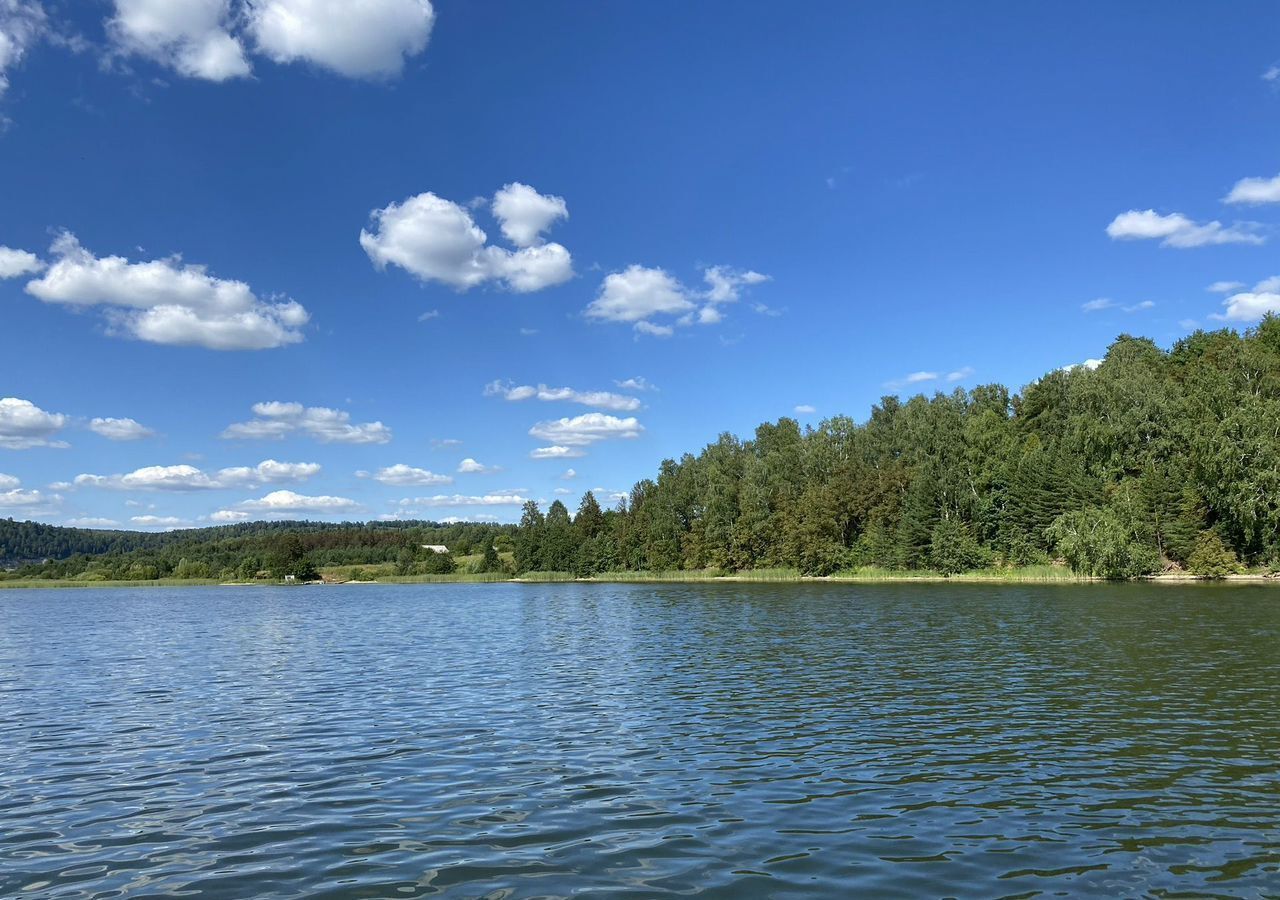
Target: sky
(282, 259)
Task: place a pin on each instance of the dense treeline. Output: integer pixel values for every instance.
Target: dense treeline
(245, 551)
(1154, 460)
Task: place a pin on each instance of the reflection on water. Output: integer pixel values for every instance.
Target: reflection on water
(727, 740)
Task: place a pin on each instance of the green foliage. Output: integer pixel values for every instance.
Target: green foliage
(1097, 541)
(1210, 558)
(953, 548)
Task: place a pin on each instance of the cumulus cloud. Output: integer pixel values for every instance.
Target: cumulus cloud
(120, 429)
(404, 474)
(438, 240)
(523, 213)
(1252, 305)
(804, 409)
(192, 37)
(291, 502)
(1176, 230)
(1224, 287)
(151, 521)
(14, 263)
(208, 39)
(188, 478)
(369, 39)
(471, 466)
(166, 301)
(1254, 191)
(92, 522)
(569, 475)
(24, 425)
(12, 496)
(556, 453)
(638, 383)
(451, 500)
(274, 420)
(598, 399)
(654, 302)
(1088, 365)
(22, 24)
(589, 428)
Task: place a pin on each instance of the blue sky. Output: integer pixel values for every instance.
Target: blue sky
(695, 218)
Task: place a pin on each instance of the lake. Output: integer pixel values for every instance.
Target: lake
(731, 740)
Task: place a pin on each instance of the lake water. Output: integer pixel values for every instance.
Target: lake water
(612, 740)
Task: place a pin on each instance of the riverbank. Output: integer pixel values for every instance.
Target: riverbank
(1025, 575)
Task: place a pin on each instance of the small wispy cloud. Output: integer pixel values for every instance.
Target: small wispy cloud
(960, 374)
(1097, 305)
(804, 409)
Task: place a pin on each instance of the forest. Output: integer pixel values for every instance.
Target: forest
(1153, 461)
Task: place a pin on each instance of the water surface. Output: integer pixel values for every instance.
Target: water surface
(713, 740)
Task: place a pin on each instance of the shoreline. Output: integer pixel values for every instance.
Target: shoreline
(672, 578)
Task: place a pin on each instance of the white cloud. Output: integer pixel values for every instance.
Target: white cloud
(14, 263)
(188, 478)
(638, 383)
(653, 330)
(451, 500)
(569, 475)
(92, 522)
(441, 443)
(1254, 191)
(586, 429)
(366, 39)
(1176, 230)
(725, 284)
(192, 37)
(120, 429)
(168, 302)
(24, 425)
(275, 419)
(1140, 307)
(1098, 304)
(12, 496)
(1088, 364)
(1251, 305)
(288, 502)
(960, 374)
(150, 521)
(429, 315)
(563, 491)
(229, 515)
(598, 399)
(437, 240)
(1225, 287)
(470, 466)
(1188, 324)
(22, 24)
(804, 409)
(639, 294)
(556, 453)
(404, 474)
(524, 214)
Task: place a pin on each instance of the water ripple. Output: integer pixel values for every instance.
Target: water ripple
(722, 741)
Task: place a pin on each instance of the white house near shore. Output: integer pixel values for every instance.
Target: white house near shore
(436, 548)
